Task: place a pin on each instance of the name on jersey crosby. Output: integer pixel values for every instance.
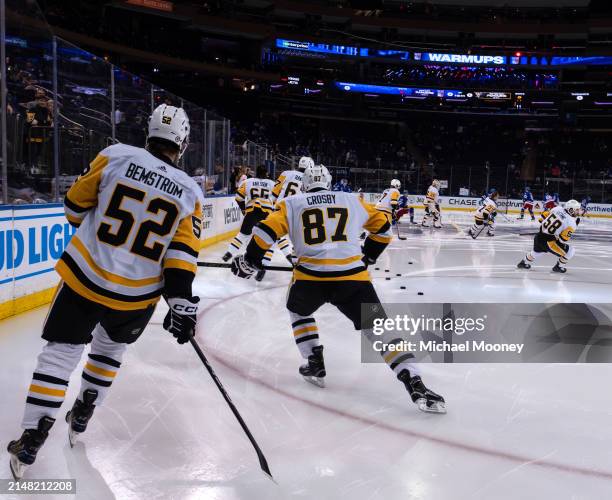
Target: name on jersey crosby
(316, 199)
(155, 179)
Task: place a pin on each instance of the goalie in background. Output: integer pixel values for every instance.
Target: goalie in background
(432, 205)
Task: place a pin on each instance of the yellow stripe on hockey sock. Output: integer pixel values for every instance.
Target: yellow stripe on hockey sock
(390, 356)
(305, 330)
(39, 389)
(100, 371)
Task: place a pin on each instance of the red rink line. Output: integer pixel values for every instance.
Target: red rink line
(449, 443)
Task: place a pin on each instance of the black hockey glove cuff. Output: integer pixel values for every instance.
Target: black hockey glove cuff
(244, 267)
(182, 317)
(177, 282)
(371, 250)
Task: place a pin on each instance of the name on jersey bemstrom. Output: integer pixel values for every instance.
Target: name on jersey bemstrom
(155, 179)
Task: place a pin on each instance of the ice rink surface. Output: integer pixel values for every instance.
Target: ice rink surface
(532, 431)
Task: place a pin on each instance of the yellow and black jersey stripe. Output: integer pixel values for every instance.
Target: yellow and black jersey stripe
(276, 190)
(183, 251)
(78, 281)
(272, 228)
(378, 222)
(83, 194)
(241, 193)
(566, 234)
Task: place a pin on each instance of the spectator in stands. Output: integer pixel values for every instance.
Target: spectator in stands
(233, 180)
(342, 185)
(38, 120)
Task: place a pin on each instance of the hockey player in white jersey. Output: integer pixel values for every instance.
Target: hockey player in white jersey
(389, 199)
(139, 219)
(556, 229)
(432, 205)
(324, 227)
(254, 197)
(388, 203)
(484, 216)
(289, 183)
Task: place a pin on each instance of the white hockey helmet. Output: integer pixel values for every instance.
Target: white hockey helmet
(572, 207)
(436, 183)
(395, 183)
(170, 123)
(305, 162)
(316, 176)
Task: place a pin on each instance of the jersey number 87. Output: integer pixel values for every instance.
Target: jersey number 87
(313, 224)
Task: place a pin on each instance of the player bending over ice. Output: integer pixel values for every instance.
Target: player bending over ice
(432, 205)
(139, 220)
(556, 229)
(254, 199)
(324, 227)
(485, 215)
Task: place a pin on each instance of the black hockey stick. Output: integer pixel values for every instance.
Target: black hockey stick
(474, 237)
(263, 463)
(228, 265)
(399, 236)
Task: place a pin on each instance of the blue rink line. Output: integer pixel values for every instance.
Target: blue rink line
(29, 275)
(27, 217)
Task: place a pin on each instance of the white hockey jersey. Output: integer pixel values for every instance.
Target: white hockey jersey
(136, 215)
(558, 223)
(432, 196)
(388, 201)
(288, 183)
(324, 227)
(488, 209)
(254, 193)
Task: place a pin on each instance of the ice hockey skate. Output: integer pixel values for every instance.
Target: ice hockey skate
(314, 370)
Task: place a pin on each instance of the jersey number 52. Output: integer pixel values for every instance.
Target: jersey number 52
(146, 227)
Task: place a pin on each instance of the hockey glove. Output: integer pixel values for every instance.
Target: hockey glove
(181, 318)
(243, 268)
(368, 261)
